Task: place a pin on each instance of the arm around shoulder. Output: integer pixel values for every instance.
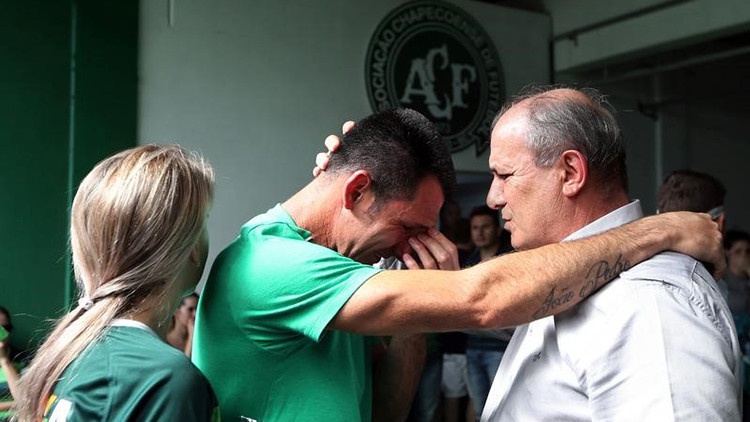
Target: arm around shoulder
(517, 288)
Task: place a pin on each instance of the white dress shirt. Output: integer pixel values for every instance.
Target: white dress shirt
(656, 344)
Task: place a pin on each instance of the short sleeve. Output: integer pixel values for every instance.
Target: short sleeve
(287, 287)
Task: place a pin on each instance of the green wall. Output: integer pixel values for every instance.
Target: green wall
(68, 98)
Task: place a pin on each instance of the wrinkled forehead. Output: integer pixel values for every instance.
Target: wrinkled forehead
(509, 150)
(511, 127)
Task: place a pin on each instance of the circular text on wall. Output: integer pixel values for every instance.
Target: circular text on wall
(433, 57)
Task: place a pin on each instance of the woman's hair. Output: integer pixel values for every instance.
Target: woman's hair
(134, 221)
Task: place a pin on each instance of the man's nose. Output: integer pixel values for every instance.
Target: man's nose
(496, 196)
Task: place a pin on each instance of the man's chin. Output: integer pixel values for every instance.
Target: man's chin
(521, 245)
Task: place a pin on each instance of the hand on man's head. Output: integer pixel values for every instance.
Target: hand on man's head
(332, 143)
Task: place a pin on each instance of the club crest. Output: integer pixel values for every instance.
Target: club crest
(433, 57)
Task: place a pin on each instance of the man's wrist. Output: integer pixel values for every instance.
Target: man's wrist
(660, 232)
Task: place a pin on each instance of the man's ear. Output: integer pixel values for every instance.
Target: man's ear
(720, 221)
(576, 172)
(355, 187)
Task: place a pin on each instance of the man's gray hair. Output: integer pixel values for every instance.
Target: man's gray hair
(558, 123)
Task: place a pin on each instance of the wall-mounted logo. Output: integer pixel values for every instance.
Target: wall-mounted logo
(433, 57)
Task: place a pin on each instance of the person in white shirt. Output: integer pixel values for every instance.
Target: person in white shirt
(656, 344)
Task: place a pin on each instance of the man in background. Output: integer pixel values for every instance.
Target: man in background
(737, 274)
(689, 190)
(483, 353)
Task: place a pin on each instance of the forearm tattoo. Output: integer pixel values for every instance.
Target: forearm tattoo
(598, 274)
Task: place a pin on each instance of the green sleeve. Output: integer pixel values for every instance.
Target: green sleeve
(287, 288)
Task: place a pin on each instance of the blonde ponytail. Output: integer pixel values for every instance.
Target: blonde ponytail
(134, 221)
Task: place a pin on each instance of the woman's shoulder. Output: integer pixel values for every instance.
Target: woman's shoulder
(163, 384)
(139, 350)
(130, 356)
(131, 370)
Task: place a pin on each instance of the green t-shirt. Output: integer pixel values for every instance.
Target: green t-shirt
(260, 334)
(131, 375)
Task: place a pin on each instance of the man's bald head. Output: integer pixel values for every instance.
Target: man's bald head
(561, 119)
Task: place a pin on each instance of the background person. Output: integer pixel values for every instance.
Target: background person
(180, 336)
(9, 368)
(455, 377)
(737, 274)
(455, 227)
(139, 243)
(428, 396)
(452, 345)
(483, 353)
(737, 278)
(689, 190)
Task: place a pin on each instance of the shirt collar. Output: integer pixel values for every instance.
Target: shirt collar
(278, 214)
(122, 322)
(616, 218)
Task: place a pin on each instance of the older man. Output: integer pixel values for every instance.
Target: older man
(656, 345)
(282, 322)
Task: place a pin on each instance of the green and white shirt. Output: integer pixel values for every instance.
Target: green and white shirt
(130, 374)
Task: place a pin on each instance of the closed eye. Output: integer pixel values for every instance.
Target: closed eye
(502, 176)
(414, 230)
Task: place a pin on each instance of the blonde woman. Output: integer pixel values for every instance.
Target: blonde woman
(139, 244)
